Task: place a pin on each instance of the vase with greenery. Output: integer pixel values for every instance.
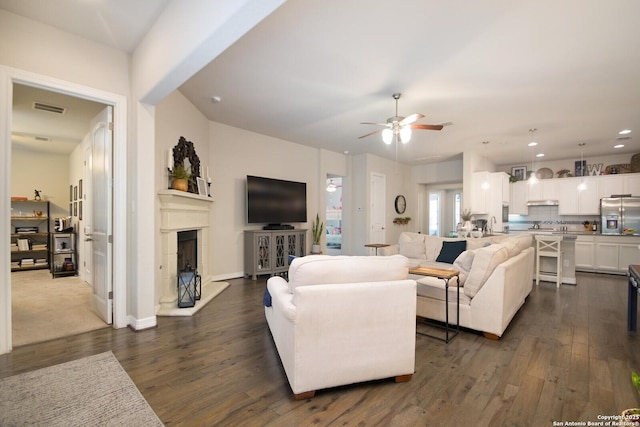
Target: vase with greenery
(316, 230)
(630, 414)
(180, 178)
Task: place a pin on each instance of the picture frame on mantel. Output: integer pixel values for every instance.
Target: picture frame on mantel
(519, 172)
(202, 186)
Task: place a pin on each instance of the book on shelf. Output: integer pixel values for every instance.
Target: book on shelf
(39, 247)
(23, 244)
(25, 262)
(15, 264)
(41, 261)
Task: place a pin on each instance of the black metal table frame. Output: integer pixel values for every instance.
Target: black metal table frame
(446, 327)
(632, 303)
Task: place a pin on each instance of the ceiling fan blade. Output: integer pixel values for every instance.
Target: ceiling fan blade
(410, 119)
(370, 133)
(427, 127)
(377, 124)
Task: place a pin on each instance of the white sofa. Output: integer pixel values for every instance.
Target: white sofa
(341, 320)
(496, 275)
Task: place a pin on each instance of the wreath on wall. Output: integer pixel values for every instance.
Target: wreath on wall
(185, 150)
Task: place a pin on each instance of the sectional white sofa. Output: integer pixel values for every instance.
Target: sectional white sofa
(496, 275)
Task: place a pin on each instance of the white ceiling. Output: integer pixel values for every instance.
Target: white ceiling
(313, 70)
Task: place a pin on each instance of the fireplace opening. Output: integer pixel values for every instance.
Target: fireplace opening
(187, 249)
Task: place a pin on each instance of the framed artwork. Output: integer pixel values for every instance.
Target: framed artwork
(71, 209)
(80, 210)
(75, 208)
(581, 168)
(71, 193)
(519, 172)
(75, 193)
(202, 186)
(80, 189)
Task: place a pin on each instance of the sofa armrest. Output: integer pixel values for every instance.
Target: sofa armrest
(389, 250)
(281, 298)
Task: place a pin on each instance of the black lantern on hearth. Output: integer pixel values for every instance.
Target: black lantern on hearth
(189, 287)
(186, 288)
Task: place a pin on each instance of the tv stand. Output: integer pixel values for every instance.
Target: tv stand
(268, 251)
(278, 227)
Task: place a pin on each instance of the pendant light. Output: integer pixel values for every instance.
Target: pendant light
(583, 185)
(533, 179)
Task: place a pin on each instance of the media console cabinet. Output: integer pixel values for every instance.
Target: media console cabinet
(268, 251)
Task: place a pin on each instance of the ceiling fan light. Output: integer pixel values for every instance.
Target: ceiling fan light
(405, 134)
(387, 136)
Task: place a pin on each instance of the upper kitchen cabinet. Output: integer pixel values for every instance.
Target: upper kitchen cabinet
(573, 201)
(544, 189)
(490, 194)
(609, 185)
(519, 197)
(631, 184)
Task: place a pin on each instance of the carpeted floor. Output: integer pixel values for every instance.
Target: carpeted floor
(43, 308)
(94, 390)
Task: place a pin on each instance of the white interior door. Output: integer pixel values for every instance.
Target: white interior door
(101, 201)
(86, 271)
(378, 213)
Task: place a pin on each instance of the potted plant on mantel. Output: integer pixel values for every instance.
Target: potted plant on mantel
(316, 230)
(180, 178)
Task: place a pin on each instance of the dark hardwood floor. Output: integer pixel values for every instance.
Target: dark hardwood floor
(565, 357)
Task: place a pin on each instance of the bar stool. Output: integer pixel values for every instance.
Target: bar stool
(549, 246)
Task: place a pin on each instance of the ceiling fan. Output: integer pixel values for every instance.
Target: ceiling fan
(399, 126)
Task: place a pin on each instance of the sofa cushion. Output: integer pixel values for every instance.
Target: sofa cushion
(432, 287)
(451, 250)
(326, 269)
(463, 264)
(484, 262)
(413, 248)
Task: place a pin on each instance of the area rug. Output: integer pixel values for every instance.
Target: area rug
(93, 391)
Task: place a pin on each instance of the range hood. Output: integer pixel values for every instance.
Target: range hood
(547, 202)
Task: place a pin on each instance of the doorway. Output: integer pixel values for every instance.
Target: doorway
(333, 221)
(49, 135)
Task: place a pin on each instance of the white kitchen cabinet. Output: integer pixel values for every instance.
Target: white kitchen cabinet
(585, 253)
(607, 256)
(628, 253)
(519, 196)
(609, 185)
(481, 189)
(544, 189)
(572, 201)
(631, 184)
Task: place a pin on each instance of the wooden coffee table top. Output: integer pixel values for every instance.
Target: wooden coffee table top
(442, 273)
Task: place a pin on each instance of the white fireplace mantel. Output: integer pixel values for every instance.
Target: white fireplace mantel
(181, 211)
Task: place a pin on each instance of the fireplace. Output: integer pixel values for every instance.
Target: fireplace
(185, 223)
(187, 249)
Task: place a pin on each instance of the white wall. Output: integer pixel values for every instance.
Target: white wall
(175, 116)
(236, 153)
(47, 172)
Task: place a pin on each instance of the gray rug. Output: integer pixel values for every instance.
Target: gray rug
(93, 391)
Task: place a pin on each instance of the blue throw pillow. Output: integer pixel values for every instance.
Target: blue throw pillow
(451, 250)
(266, 298)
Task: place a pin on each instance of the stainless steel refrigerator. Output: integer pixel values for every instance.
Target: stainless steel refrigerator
(620, 215)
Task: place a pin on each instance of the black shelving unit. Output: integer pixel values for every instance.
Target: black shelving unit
(30, 230)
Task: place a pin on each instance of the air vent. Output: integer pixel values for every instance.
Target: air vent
(50, 108)
(623, 138)
(42, 138)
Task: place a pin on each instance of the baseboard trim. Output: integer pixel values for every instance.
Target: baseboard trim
(142, 324)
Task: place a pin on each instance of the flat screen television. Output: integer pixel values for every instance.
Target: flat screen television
(275, 202)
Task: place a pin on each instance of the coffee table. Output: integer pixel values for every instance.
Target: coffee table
(446, 275)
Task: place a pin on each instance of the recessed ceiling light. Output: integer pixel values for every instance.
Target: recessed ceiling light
(624, 132)
(532, 144)
(618, 146)
(540, 155)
